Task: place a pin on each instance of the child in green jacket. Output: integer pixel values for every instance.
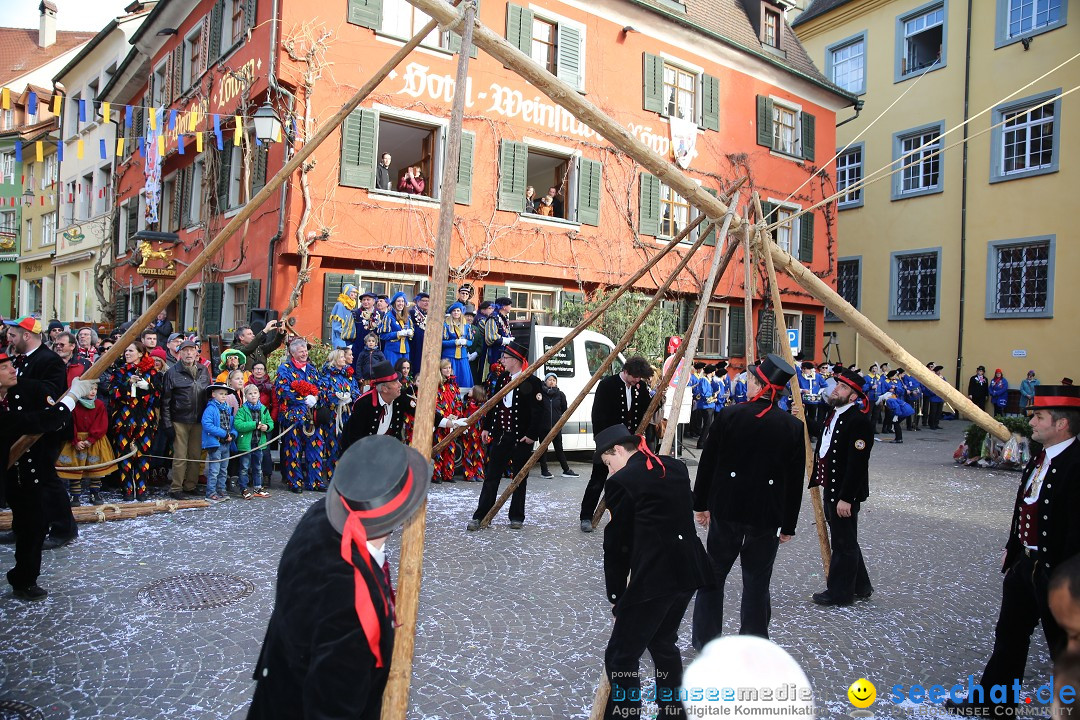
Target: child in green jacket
(253, 425)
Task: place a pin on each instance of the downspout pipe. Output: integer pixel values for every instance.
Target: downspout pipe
(275, 40)
(963, 206)
(858, 110)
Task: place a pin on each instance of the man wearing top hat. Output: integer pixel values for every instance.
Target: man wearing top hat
(748, 494)
(330, 638)
(419, 314)
(619, 399)
(497, 335)
(367, 319)
(653, 563)
(1045, 531)
(842, 469)
(383, 410)
(510, 432)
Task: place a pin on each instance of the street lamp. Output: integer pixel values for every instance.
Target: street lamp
(267, 125)
(28, 197)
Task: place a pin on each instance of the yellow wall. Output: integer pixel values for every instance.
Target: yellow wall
(1014, 209)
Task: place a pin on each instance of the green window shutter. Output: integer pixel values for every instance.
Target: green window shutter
(250, 8)
(359, 140)
(764, 121)
(806, 238)
(177, 199)
(463, 190)
(332, 284)
(766, 331)
(654, 83)
(736, 331)
(366, 13)
(687, 308)
(710, 102)
(493, 292)
(513, 167)
(519, 22)
(138, 120)
(568, 56)
(216, 16)
(710, 239)
(253, 300)
(649, 205)
(212, 296)
(451, 298)
(567, 297)
(588, 199)
(121, 309)
(809, 335)
(807, 136)
(454, 41)
(224, 172)
(177, 72)
(189, 179)
(258, 168)
(767, 210)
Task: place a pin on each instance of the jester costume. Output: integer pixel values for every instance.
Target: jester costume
(395, 345)
(447, 402)
(475, 453)
(301, 453)
(458, 352)
(496, 334)
(133, 420)
(342, 325)
(338, 390)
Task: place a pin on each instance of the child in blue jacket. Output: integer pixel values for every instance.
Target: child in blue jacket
(217, 436)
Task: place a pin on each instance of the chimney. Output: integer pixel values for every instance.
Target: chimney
(47, 25)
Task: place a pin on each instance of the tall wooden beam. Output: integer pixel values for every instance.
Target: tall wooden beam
(396, 695)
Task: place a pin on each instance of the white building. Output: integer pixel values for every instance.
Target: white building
(87, 184)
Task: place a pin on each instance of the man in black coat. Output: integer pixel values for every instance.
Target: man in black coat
(842, 469)
(653, 563)
(25, 409)
(330, 639)
(979, 388)
(619, 400)
(748, 493)
(36, 362)
(554, 408)
(510, 432)
(1045, 532)
(383, 410)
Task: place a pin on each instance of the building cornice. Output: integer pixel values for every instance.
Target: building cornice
(838, 18)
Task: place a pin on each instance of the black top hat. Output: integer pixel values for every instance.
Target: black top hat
(503, 302)
(1066, 381)
(889, 375)
(610, 437)
(699, 365)
(710, 369)
(807, 365)
(484, 305)
(938, 367)
(981, 367)
(517, 350)
(382, 372)
(852, 379)
(774, 370)
(380, 479)
(1056, 397)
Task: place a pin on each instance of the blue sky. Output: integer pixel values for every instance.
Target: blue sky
(87, 15)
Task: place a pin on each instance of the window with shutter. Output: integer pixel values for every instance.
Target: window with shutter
(710, 102)
(519, 22)
(766, 342)
(736, 331)
(453, 41)
(359, 139)
(653, 83)
(806, 238)
(463, 190)
(204, 47)
(164, 96)
(569, 50)
(809, 335)
(332, 284)
(121, 309)
(764, 121)
(213, 295)
(710, 239)
(187, 175)
(807, 138)
(177, 72)
(258, 169)
(588, 200)
(494, 292)
(687, 308)
(567, 297)
(513, 169)
(224, 175)
(366, 13)
(250, 8)
(253, 299)
(649, 205)
(217, 16)
(177, 200)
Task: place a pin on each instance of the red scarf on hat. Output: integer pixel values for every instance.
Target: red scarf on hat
(766, 387)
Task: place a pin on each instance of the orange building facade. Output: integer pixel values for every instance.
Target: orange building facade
(675, 76)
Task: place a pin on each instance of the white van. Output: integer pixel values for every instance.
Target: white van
(573, 365)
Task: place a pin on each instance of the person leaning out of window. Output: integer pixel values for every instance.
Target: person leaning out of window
(412, 181)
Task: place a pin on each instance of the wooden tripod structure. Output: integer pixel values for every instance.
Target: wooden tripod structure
(463, 21)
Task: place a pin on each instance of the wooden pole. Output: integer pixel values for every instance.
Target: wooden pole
(748, 298)
(410, 569)
(218, 243)
(729, 253)
(600, 372)
(862, 325)
(569, 338)
(697, 325)
(561, 93)
(797, 408)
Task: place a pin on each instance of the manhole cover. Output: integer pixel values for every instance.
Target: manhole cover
(15, 710)
(199, 591)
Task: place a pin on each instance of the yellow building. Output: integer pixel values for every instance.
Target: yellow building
(967, 257)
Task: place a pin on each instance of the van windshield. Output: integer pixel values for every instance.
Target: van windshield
(596, 353)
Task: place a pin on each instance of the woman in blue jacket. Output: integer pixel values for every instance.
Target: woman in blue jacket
(457, 335)
(999, 392)
(397, 330)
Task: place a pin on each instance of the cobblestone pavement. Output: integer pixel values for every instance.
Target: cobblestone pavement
(512, 624)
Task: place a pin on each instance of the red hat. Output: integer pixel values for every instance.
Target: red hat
(4, 357)
(159, 352)
(1055, 397)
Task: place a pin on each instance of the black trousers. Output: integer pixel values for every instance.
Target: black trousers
(652, 626)
(935, 415)
(593, 490)
(501, 453)
(56, 506)
(847, 570)
(875, 416)
(898, 432)
(693, 428)
(28, 524)
(1024, 604)
(556, 445)
(925, 412)
(756, 549)
(706, 422)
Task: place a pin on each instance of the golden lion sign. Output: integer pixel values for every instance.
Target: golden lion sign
(148, 253)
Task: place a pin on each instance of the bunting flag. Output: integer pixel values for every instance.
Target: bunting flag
(180, 144)
(104, 149)
(60, 151)
(106, 111)
(193, 120)
(57, 104)
(5, 99)
(79, 149)
(198, 142)
(39, 149)
(172, 119)
(18, 151)
(31, 103)
(238, 130)
(161, 145)
(120, 147)
(82, 110)
(128, 111)
(277, 133)
(153, 118)
(142, 145)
